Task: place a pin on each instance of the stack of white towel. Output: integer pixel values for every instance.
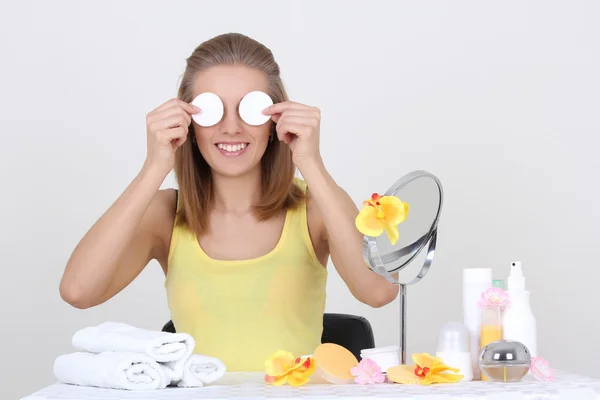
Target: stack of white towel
(119, 356)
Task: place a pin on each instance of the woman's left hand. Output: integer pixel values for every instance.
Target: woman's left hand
(298, 126)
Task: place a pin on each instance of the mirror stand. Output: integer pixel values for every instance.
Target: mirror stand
(425, 231)
(402, 295)
(402, 324)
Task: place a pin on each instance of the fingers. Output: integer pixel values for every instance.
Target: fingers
(298, 119)
(169, 118)
(169, 123)
(291, 127)
(278, 108)
(175, 103)
(178, 142)
(176, 136)
(310, 116)
(176, 111)
(174, 133)
(190, 108)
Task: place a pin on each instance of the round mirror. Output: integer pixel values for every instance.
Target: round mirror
(423, 193)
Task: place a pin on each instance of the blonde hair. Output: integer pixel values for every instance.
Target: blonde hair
(194, 177)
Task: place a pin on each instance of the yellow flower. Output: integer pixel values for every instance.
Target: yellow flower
(427, 370)
(282, 367)
(382, 213)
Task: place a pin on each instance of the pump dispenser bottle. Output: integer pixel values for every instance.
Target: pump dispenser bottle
(518, 320)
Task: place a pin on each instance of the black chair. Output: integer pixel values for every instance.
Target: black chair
(349, 331)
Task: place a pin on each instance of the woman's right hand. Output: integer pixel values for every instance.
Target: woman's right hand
(167, 128)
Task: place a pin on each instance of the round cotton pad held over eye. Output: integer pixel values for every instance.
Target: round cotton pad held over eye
(211, 109)
(252, 106)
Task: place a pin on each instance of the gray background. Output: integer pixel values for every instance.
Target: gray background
(498, 99)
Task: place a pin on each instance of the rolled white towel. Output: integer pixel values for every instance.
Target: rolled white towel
(200, 370)
(170, 349)
(112, 370)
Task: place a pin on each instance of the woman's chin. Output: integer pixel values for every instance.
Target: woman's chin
(233, 171)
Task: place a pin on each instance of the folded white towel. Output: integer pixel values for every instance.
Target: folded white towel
(170, 349)
(113, 370)
(200, 370)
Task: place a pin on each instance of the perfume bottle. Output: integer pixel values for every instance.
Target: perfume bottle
(491, 328)
(505, 361)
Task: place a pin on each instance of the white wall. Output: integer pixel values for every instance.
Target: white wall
(499, 99)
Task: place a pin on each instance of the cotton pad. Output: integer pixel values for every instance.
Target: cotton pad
(251, 108)
(211, 109)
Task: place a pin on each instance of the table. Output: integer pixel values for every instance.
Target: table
(251, 386)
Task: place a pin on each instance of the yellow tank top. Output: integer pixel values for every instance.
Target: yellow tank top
(243, 311)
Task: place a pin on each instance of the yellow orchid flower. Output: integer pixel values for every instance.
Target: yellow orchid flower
(381, 213)
(281, 367)
(428, 370)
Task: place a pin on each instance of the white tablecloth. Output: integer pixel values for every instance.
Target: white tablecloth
(251, 386)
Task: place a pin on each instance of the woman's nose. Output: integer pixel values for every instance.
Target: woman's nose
(231, 124)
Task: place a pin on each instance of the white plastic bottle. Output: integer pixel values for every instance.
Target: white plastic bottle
(518, 321)
(475, 282)
(453, 347)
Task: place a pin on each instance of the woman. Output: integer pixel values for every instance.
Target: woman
(243, 243)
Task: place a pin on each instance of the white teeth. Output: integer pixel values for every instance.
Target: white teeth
(231, 148)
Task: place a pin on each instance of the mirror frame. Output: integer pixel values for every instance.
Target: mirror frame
(377, 261)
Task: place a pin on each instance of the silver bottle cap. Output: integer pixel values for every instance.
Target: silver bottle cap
(505, 352)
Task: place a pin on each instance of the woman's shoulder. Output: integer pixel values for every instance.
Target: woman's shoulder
(161, 213)
(316, 225)
(305, 196)
(301, 184)
(164, 205)
(315, 219)
(166, 199)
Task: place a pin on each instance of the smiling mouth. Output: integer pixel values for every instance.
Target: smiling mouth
(232, 149)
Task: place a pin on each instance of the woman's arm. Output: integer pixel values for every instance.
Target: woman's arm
(337, 212)
(299, 126)
(135, 228)
(118, 246)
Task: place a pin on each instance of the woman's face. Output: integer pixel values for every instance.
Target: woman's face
(231, 147)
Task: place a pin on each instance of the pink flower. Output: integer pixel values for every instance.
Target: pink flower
(493, 297)
(540, 368)
(367, 372)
